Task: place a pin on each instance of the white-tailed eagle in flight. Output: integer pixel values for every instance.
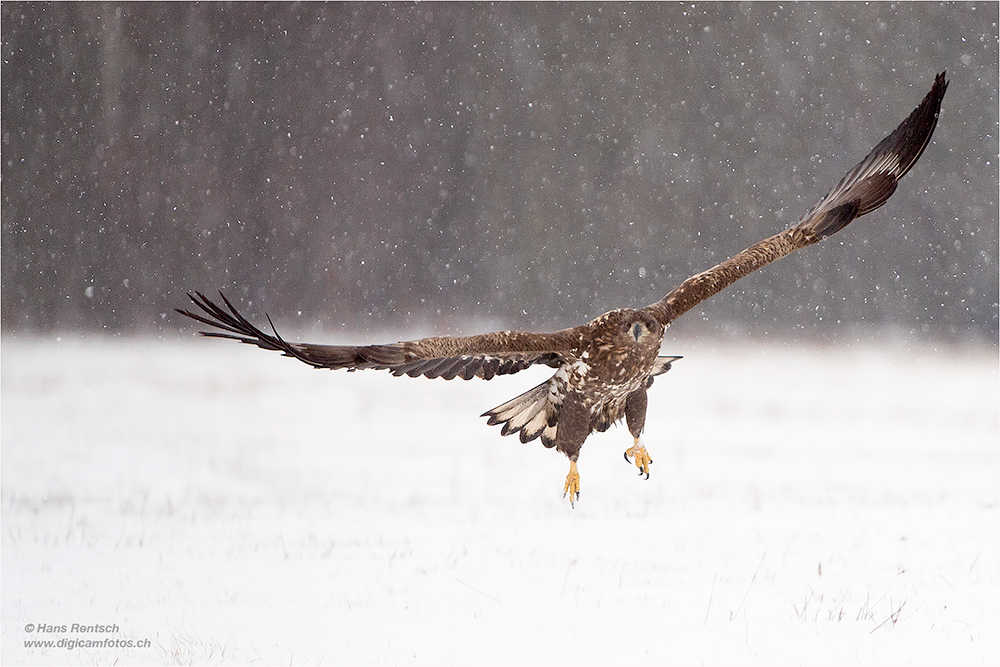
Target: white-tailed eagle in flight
(604, 367)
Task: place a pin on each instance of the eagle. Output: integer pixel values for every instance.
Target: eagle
(603, 368)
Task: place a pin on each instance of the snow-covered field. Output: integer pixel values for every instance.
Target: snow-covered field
(807, 505)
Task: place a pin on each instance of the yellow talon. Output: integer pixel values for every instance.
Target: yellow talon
(641, 456)
(572, 486)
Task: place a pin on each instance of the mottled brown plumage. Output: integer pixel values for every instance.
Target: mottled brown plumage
(603, 367)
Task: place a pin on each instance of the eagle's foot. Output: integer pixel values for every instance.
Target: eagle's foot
(572, 486)
(641, 456)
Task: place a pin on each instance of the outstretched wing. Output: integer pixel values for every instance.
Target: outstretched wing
(448, 357)
(862, 190)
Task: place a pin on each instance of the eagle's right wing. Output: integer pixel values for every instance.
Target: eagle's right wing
(863, 189)
(448, 357)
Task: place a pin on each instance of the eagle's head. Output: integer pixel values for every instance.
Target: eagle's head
(628, 328)
(625, 338)
(644, 329)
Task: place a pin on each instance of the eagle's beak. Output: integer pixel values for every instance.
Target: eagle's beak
(636, 331)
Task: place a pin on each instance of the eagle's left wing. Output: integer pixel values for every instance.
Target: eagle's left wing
(863, 189)
(448, 357)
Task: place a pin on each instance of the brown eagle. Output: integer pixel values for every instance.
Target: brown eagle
(604, 367)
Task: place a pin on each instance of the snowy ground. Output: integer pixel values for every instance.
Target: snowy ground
(818, 506)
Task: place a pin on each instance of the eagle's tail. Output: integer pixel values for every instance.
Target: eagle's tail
(532, 414)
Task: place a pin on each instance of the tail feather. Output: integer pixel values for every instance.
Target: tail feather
(533, 414)
(661, 365)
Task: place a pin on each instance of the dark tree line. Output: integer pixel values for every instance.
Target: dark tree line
(435, 167)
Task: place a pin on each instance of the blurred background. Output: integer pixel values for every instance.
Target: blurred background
(443, 168)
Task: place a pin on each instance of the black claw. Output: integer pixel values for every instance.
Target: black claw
(626, 458)
(647, 474)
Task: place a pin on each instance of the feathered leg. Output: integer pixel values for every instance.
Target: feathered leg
(635, 417)
(574, 427)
